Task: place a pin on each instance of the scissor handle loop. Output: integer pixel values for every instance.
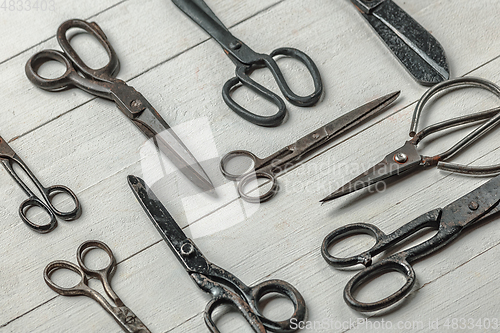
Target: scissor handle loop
(30, 203)
(52, 191)
(372, 272)
(56, 84)
(80, 289)
(273, 190)
(235, 154)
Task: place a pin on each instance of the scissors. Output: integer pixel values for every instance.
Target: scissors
(8, 156)
(417, 50)
(224, 287)
(449, 222)
(102, 83)
(269, 167)
(246, 61)
(127, 320)
(407, 159)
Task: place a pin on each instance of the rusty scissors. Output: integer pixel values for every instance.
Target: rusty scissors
(224, 287)
(102, 83)
(449, 222)
(8, 156)
(127, 320)
(407, 158)
(268, 168)
(246, 61)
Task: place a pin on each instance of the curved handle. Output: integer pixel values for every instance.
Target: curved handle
(256, 162)
(52, 191)
(369, 274)
(80, 289)
(252, 177)
(32, 202)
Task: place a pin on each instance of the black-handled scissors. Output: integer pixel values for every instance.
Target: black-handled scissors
(407, 158)
(102, 82)
(225, 288)
(127, 320)
(269, 167)
(8, 156)
(449, 223)
(246, 60)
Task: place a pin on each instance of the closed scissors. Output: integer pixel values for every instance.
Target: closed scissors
(449, 222)
(269, 167)
(224, 287)
(127, 320)
(407, 158)
(8, 156)
(246, 61)
(102, 82)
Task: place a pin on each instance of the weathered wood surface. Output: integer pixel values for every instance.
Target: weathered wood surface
(71, 138)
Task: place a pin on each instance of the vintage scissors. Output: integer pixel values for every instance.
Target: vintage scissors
(246, 61)
(8, 156)
(449, 222)
(102, 82)
(407, 159)
(225, 288)
(418, 51)
(269, 167)
(127, 320)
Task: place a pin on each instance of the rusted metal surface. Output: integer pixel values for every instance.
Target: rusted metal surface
(224, 287)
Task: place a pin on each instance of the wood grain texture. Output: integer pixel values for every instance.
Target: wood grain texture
(74, 139)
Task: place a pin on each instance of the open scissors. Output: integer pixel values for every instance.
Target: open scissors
(418, 51)
(449, 222)
(224, 287)
(269, 167)
(407, 159)
(8, 156)
(246, 61)
(102, 82)
(127, 320)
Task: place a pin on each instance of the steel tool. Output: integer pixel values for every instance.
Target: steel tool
(407, 159)
(284, 159)
(246, 61)
(224, 287)
(127, 320)
(102, 82)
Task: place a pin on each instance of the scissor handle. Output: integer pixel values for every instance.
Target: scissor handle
(30, 203)
(80, 289)
(256, 163)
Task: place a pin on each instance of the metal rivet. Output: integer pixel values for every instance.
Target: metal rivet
(473, 205)
(400, 158)
(187, 249)
(137, 104)
(235, 45)
(315, 135)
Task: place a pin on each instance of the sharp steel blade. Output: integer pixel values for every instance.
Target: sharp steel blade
(419, 52)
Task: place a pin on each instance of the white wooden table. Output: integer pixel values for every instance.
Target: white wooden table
(83, 142)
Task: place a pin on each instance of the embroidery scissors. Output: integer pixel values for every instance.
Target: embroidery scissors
(449, 222)
(103, 83)
(246, 61)
(224, 287)
(8, 156)
(269, 167)
(418, 51)
(127, 320)
(407, 159)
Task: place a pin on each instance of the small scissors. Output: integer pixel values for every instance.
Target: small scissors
(449, 222)
(407, 158)
(102, 82)
(246, 61)
(8, 156)
(271, 166)
(224, 287)
(127, 320)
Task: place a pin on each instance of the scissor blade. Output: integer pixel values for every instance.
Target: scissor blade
(415, 47)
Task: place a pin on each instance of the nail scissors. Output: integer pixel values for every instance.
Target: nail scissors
(246, 61)
(8, 156)
(269, 167)
(418, 51)
(407, 159)
(224, 287)
(449, 222)
(127, 320)
(103, 83)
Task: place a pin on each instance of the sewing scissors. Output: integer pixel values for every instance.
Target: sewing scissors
(449, 222)
(127, 320)
(269, 167)
(8, 156)
(224, 287)
(102, 83)
(246, 61)
(407, 159)
(417, 50)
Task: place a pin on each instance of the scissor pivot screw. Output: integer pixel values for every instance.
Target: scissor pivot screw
(235, 45)
(137, 104)
(400, 158)
(187, 249)
(473, 205)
